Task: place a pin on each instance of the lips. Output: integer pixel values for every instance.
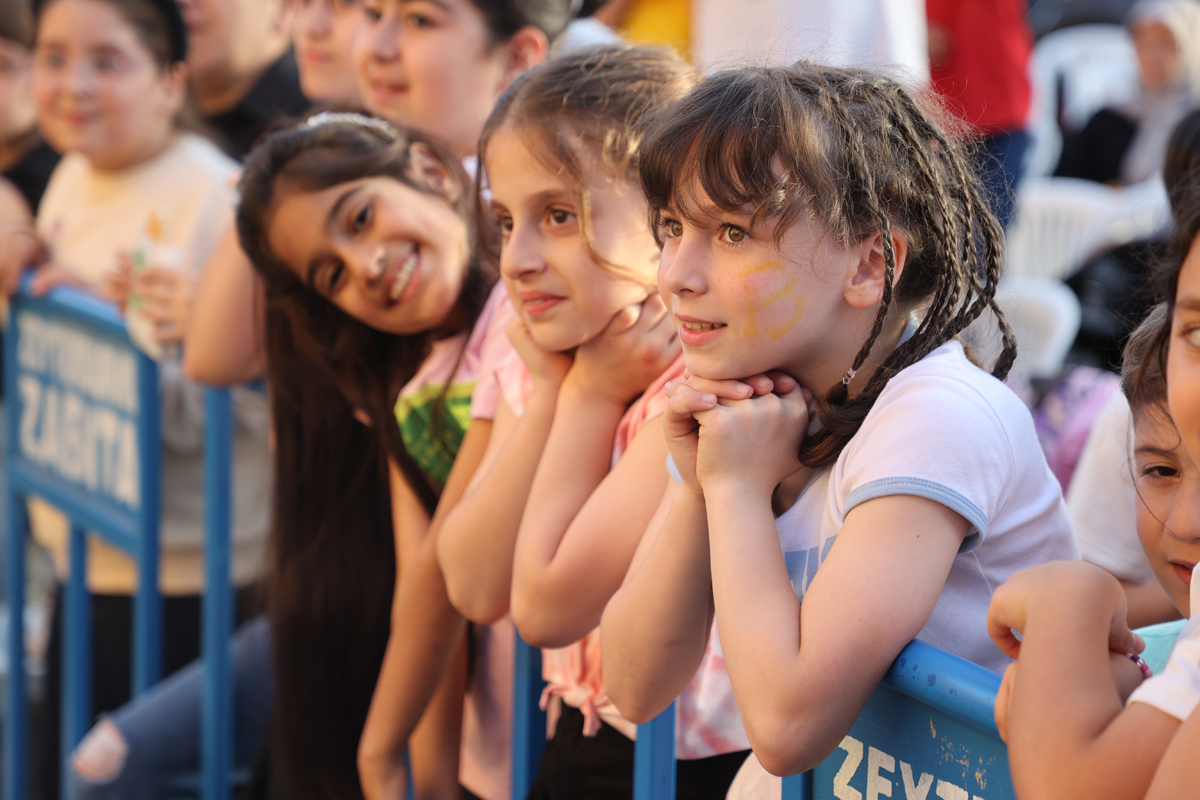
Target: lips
(1183, 571)
(398, 285)
(383, 90)
(695, 332)
(312, 56)
(537, 303)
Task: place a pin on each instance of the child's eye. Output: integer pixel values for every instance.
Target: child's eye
(418, 21)
(1159, 471)
(333, 276)
(560, 216)
(52, 59)
(108, 64)
(361, 219)
(671, 229)
(505, 222)
(734, 235)
(1192, 334)
(371, 14)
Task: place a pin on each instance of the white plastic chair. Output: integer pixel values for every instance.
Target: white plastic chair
(1057, 225)
(1097, 67)
(1044, 315)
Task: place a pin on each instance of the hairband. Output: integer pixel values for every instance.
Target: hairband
(352, 118)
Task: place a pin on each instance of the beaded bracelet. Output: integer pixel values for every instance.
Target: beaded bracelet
(1142, 665)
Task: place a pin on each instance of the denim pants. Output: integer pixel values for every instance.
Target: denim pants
(162, 727)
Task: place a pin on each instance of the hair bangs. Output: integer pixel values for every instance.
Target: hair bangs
(735, 142)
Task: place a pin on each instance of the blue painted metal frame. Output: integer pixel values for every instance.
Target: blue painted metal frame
(216, 755)
(131, 528)
(929, 720)
(529, 720)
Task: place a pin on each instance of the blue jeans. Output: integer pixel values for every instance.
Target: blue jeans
(162, 727)
(1002, 163)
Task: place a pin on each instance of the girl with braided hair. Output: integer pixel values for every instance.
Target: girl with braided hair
(868, 483)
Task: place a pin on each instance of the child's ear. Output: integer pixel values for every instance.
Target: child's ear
(865, 279)
(525, 49)
(427, 169)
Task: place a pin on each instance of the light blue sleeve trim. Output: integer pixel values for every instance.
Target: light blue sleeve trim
(673, 470)
(930, 490)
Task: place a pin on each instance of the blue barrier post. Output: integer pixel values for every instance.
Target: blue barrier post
(147, 611)
(654, 758)
(529, 721)
(82, 432)
(217, 720)
(798, 787)
(16, 731)
(77, 650)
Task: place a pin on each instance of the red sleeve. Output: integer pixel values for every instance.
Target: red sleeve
(941, 12)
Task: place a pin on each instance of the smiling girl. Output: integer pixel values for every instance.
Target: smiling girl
(818, 225)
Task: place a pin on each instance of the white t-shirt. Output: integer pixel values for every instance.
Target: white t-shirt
(874, 34)
(945, 430)
(1176, 690)
(86, 218)
(1102, 499)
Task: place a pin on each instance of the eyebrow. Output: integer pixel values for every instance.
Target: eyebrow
(1155, 451)
(1188, 303)
(439, 3)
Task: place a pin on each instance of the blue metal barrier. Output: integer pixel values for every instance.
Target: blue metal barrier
(926, 732)
(83, 433)
(529, 721)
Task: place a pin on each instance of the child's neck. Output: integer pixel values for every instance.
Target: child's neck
(119, 162)
(819, 376)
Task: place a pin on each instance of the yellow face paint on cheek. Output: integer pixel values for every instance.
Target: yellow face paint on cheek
(757, 302)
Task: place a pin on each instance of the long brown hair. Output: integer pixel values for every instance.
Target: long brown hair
(860, 153)
(332, 548)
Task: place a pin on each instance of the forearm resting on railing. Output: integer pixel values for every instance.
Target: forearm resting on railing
(475, 544)
(655, 629)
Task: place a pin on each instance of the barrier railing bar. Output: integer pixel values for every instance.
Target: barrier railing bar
(529, 721)
(147, 610)
(952, 685)
(654, 758)
(77, 651)
(217, 719)
(16, 729)
(798, 787)
(87, 512)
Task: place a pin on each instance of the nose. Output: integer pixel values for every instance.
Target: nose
(381, 40)
(1184, 520)
(365, 263)
(316, 21)
(521, 255)
(81, 80)
(682, 267)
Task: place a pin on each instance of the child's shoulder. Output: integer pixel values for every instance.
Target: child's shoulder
(199, 158)
(947, 381)
(945, 403)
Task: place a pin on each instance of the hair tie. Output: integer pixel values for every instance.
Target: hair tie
(849, 376)
(352, 118)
